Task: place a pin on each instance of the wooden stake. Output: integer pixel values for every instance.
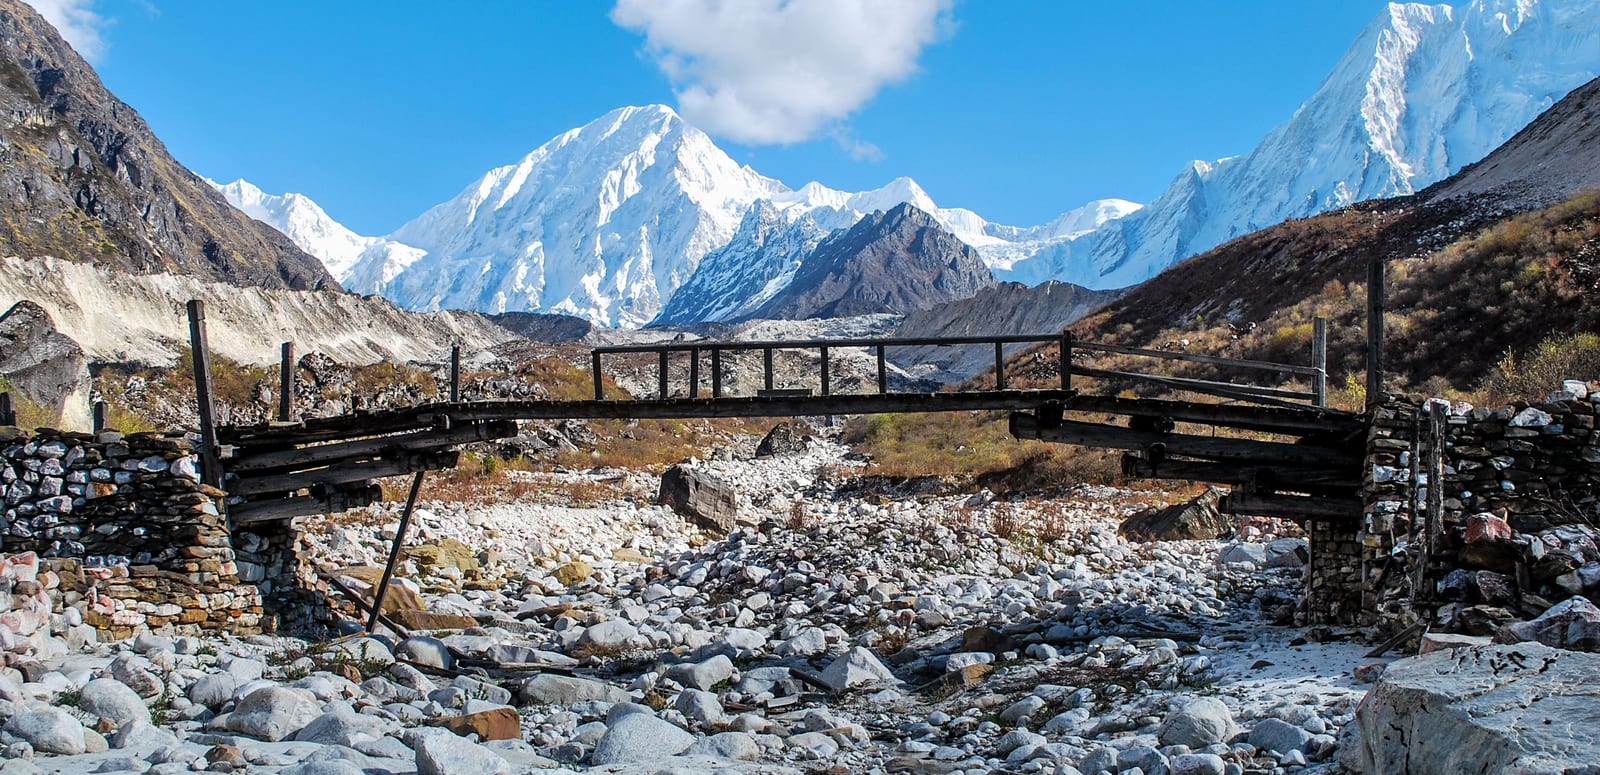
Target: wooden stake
(1319, 359)
(286, 383)
(455, 373)
(99, 412)
(8, 415)
(1375, 303)
(201, 353)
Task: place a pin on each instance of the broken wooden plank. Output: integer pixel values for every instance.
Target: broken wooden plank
(323, 454)
(252, 512)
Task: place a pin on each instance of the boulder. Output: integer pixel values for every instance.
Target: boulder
(699, 496)
(112, 699)
(636, 737)
(548, 689)
(1244, 553)
(1198, 519)
(1197, 724)
(856, 667)
(607, 637)
(343, 726)
(444, 753)
(273, 713)
(44, 364)
(51, 730)
(1500, 708)
(213, 690)
(1572, 624)
(1274, 735)
(424, 650)
(702, 675)
(491, 724)
(786, 438)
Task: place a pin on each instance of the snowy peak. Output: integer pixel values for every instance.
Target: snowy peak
(302, 221)
(1423, 91)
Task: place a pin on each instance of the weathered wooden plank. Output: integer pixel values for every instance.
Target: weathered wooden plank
(352, 471)
(1227, 389)
(1296, 421)
(1257, 477)
(252, 512)
(1026, 426)
(1282, 368)
(324, 454)
(1290, 506)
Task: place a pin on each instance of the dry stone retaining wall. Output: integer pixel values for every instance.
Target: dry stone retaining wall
(135, 539)
(1510, 531)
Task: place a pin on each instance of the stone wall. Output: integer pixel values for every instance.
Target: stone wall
(136, 540)
(1510, 530)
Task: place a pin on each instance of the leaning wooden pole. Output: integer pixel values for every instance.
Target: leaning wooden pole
(201, 353)
(394, 552)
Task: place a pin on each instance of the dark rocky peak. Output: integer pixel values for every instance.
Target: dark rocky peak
(891, 261)
(86, 180)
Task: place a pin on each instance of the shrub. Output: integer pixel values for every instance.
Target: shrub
(1541, 370)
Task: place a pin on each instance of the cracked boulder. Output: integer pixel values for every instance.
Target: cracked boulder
(1523, 708)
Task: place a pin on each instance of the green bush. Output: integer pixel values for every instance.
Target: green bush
(1541, 370)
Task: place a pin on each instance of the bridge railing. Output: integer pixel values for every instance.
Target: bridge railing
(697, 352)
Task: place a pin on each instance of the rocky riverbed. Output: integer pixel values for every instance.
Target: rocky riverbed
(837, 631)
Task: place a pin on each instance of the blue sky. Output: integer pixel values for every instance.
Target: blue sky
(1018, 109)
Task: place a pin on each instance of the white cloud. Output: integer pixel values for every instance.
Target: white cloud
(778, 71)
(77, 21)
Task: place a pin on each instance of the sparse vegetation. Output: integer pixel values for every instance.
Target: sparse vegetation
(30, 413)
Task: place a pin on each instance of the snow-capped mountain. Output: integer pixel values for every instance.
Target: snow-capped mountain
(1424, 91)
(603, 222)
(302, 221)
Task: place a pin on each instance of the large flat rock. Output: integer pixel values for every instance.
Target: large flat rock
(1516, 709)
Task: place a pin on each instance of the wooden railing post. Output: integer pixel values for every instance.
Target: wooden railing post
(999, 366)
(8, 415)
(883, 372)
(825, 375)
(1319, 359)
(694, 372)
(599, 388)
(99, 416)
(455, 373)
(716, 372)
(1066, 360)
(766, 368)
(661, 376)
(286, 382)
(200, 351)
(1375, 303)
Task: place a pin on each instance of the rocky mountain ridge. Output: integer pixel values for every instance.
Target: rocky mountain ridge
(86, 180)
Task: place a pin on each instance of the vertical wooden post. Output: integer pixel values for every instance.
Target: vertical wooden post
(1319, 359)
(286, 382)
(1375, 303)
(766, 368)
(394, 552)
(694, 372)
(661, 376)
(201, 356)
(883, 372)
(716, 372)
(999, 366)
(825, 376)
(8, 415)
(594, 360)
(1066, 360)
(99, 414)
(455, 373)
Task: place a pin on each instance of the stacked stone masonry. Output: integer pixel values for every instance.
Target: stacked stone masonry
(1516, 516)
(131, 537)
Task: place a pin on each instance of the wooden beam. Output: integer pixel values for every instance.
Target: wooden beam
(1083, 434)
(1226, 389)
(251, 512)
(1375, 305)
(200, 352)
(324, 454)
(1290, 506)
(1283, 368)
(1259, 478)
(285, 381)
(354, 471)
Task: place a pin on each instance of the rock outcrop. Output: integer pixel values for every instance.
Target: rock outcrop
(44, 364)
(1525, 708)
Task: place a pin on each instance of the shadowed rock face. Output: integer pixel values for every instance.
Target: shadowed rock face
(895, 261)
(85, 179)
(44, 364)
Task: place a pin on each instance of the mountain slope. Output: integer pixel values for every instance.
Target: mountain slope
(86, 180)
(894, 261)
(303, 222)
(1424, 90)
(1007, 308)
(1459, 302)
